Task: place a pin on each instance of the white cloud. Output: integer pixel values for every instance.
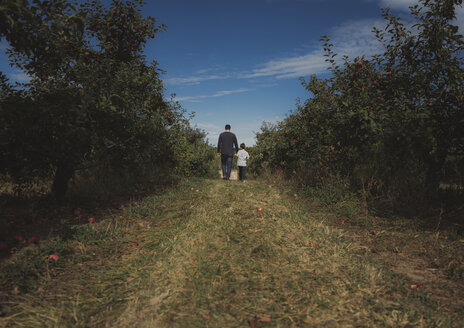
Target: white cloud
(356, 38)
(194, 79)
(290, 67)
(351, 39)
(214, 95)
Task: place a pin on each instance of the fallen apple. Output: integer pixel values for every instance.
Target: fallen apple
(18, 238)
(53, 257)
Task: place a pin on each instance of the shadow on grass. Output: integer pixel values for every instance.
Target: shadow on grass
(33, 215)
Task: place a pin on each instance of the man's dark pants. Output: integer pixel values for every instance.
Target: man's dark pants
(226, 161)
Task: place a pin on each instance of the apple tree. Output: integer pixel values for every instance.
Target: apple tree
(392, 123)
(92, 98)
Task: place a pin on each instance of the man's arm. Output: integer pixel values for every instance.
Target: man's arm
(219, 146)
(235, 143)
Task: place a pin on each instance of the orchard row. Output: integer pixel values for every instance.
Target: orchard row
(390, 126)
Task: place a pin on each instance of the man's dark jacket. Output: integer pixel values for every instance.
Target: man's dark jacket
(226, 143)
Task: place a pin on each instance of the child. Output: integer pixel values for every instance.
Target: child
(243, 156)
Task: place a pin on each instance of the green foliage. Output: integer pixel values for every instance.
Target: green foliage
(92, 99)
(392, 126)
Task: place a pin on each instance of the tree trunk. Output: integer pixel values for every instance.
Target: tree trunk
(60, 183)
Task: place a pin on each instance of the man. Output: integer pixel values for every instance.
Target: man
(225, 149)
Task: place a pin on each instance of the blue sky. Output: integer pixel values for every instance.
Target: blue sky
(239, 61)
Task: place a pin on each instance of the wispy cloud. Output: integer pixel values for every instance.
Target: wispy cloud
(192, 80)
(214, 95)
(351, 39)
(354, 38)
(290, 67)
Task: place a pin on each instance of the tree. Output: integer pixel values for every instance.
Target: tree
(388, 123)
(92, 97)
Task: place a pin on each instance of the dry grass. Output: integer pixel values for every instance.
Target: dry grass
(205, 257)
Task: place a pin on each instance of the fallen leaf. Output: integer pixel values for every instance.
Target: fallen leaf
(206, 315)
(265, 318)
(253, 322)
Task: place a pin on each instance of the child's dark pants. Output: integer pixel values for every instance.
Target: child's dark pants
(242, 173)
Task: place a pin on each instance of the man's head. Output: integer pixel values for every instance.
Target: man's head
(228, 127)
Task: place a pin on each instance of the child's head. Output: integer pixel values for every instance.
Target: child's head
(242, 145)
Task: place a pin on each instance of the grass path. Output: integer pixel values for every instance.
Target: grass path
(203, 256)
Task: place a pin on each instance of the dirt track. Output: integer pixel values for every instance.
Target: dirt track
(233, 174)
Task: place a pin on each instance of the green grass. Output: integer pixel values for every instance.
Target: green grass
(201, 255)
